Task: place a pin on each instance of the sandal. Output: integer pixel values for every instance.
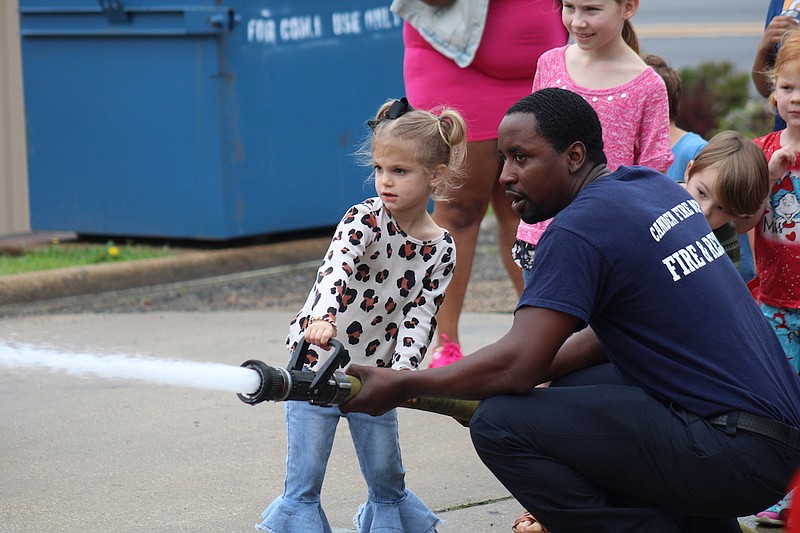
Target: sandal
(527, 517)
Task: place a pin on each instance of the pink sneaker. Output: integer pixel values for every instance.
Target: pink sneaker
(774, 516)
(447, 353)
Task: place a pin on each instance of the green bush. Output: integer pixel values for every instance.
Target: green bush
(715, 97)
(754, 119)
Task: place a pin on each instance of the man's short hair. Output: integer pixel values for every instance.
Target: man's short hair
(563, 118)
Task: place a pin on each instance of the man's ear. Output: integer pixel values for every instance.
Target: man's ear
(576, 155)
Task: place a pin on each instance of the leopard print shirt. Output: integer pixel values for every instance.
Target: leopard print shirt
(382, 287)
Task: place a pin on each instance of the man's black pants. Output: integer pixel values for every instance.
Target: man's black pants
(611, 458)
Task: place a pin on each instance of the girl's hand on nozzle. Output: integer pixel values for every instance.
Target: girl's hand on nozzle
(780, 161)
(320, 333)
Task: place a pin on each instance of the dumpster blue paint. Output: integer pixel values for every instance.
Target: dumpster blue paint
(208, 120)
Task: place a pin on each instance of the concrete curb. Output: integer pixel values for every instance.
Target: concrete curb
(79, 281)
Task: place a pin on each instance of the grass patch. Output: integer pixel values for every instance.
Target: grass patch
(58, 255)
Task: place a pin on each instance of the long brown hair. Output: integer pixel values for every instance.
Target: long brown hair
(629, 35)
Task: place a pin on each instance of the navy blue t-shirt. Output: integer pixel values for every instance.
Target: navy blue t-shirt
(634, 257)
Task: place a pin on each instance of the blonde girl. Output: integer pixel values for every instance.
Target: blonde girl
(604, 66)
(377, 292)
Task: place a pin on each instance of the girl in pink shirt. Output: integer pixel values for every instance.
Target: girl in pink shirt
(604, 66)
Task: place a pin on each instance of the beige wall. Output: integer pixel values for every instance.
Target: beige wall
(14, 214)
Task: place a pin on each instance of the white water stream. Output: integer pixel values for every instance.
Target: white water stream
(200, 375)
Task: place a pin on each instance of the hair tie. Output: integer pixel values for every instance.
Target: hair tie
(442, 133)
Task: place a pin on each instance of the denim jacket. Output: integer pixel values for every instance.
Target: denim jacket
(454, 31)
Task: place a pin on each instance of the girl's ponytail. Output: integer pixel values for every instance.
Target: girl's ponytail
(629, 36)
(453, 131)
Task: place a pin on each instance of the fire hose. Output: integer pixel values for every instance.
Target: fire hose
(330, 386)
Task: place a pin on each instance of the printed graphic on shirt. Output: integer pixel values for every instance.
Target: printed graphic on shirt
(381, 287)
(781, 221)
(670, 219)
(692, 256)
(791, 8)
(777, 245)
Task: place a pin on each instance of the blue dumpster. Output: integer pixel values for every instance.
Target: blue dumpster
(207, 120)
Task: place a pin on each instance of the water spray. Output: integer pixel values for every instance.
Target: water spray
(330, 386)
(126, 367)
(253, 381)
